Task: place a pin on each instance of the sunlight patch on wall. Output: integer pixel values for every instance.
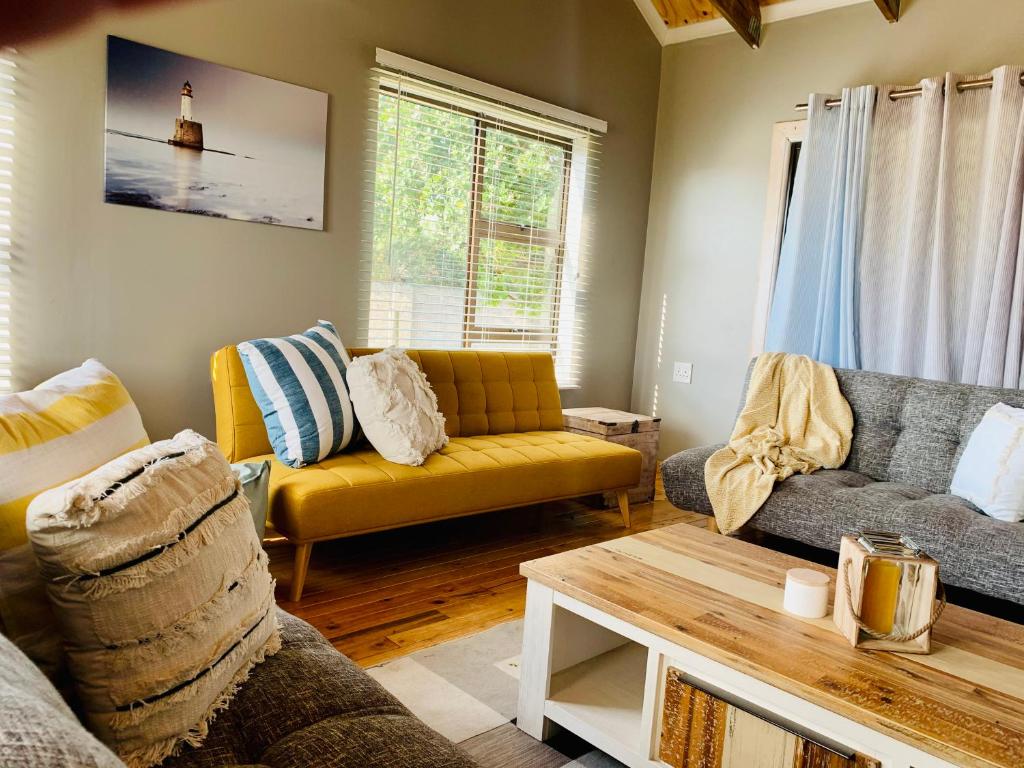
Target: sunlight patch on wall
(657, 360)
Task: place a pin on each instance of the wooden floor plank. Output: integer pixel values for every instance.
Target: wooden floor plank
(387, 594)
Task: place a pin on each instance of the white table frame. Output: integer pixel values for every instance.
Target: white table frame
(561, 633)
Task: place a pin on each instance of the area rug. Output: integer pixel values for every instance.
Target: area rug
(467, 690)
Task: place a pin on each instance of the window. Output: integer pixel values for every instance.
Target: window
(8, 67)
(477, 227)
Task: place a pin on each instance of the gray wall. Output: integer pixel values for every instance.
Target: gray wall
(151, 294)
(718, 102)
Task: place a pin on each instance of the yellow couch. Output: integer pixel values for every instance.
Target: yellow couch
(507, 449)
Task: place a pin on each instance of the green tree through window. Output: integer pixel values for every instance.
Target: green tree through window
(475, 210)
(422, 193)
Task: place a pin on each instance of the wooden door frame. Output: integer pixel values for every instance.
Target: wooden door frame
(784, 136)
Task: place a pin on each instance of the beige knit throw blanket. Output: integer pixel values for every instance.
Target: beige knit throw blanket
(795, 420)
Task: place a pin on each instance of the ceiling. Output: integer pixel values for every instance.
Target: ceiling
(679, 13)
(676, 21)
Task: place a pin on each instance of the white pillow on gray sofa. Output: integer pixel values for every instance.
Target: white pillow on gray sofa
(990, 473)
(396, 407)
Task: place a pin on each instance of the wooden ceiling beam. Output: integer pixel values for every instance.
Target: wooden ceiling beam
(890, 9)
(745, 18)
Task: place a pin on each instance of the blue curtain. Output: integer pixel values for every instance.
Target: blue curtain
(815, 302)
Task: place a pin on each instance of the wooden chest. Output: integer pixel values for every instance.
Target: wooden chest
(630, 429)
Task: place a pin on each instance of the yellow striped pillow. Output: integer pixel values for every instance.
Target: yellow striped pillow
(62, 429)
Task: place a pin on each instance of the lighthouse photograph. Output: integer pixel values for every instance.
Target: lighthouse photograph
(191, 136)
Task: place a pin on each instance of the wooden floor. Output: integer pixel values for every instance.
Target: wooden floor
(384, 595)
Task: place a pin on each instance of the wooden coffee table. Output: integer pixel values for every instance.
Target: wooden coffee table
(671, 648)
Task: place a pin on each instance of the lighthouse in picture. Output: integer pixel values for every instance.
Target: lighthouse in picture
(186, 101)
(187, 133)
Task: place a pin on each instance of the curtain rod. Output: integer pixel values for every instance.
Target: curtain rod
(907, 93)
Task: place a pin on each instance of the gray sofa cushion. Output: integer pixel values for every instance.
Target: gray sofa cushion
(974, 551)
(37, 729)
(908, 436)
(683, 477)
(913, 430)
(309, 706)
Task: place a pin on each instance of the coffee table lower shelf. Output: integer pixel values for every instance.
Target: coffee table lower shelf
(601, 699)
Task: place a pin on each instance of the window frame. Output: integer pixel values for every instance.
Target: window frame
(10, 109)
(482, 227)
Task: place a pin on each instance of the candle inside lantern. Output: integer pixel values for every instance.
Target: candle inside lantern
(879, 594)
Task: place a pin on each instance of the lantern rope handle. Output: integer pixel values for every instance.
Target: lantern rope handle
(896, 637)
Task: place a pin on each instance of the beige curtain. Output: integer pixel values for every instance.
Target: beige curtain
(942, 265)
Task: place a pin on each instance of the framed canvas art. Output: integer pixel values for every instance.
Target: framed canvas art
(190, 136)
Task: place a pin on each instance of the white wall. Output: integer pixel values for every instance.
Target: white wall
(152, 294)
(717, 104)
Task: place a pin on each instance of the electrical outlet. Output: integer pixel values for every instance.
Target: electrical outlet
(682, 372)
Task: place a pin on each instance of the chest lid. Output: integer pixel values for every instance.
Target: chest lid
(607, 421)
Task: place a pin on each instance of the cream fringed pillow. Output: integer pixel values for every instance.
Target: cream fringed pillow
(161, 590)
(396, 407)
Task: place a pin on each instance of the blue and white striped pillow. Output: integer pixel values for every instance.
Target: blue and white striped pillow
(299, 383)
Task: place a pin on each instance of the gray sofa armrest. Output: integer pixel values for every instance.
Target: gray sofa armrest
(310, 706)
(683, 476)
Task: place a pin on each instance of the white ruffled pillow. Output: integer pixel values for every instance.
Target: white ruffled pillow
(990, 473)
(396, 407)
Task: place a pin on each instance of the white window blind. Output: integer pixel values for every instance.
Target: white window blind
(478, 236)
(8, 97)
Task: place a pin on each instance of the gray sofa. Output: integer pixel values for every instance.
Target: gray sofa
(307, 706)
(907, 438)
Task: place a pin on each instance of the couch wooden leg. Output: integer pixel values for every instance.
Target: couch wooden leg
(302, 552)
(623, 497)
(712, 524)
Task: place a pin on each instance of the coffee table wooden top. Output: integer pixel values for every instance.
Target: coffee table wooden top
(722, 599)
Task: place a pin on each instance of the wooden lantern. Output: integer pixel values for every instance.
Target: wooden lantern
(886, 599)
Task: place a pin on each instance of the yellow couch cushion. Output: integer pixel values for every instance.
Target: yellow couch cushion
(241, 432)
(358, 492)
(479, 393)
(492, 393)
